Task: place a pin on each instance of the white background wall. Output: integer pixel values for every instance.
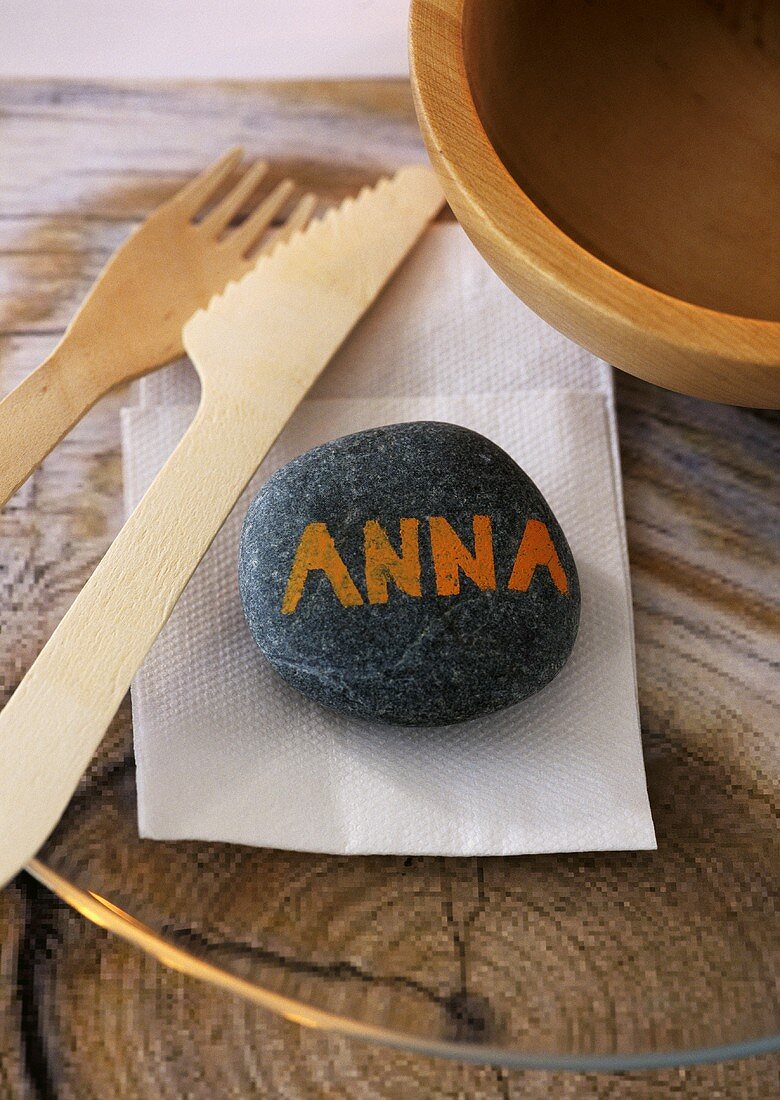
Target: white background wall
(194, 39)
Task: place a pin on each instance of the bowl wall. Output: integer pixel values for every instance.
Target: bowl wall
(612, 162)
(649, 133)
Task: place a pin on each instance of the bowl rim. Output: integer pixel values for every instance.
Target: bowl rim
(448, 113)
(111, 918)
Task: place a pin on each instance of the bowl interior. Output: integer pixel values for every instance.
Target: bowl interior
(649, 133)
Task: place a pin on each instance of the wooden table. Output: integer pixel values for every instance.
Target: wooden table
(82, 1014)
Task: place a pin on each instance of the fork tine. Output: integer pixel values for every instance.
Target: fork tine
(198, 191)
(245, 236)
(299, 219)
(216, 220)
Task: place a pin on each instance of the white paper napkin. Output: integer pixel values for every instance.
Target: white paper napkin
(227, 751)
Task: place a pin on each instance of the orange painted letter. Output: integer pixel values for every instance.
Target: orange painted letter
(383, 564)
(536, 548)
(450, 556)
(317, 550)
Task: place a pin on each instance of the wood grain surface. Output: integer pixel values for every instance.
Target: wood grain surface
(83, 1015)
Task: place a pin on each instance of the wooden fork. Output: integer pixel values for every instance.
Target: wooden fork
(257, 348)
(131, 321)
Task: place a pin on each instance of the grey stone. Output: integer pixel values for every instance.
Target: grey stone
(311, 576)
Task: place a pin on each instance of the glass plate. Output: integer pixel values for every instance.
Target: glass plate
(589, 962)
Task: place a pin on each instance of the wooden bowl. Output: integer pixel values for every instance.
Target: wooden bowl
(616, 162)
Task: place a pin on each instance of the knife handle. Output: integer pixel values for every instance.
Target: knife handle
(56, 718)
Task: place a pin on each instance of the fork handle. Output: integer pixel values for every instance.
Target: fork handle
(56, 718)
(41, 410)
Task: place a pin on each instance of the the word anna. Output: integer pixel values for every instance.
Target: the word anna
(317, 551)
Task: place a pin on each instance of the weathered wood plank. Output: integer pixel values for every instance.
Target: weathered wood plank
(117, 153)
(61, 236)
(14, 1082)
